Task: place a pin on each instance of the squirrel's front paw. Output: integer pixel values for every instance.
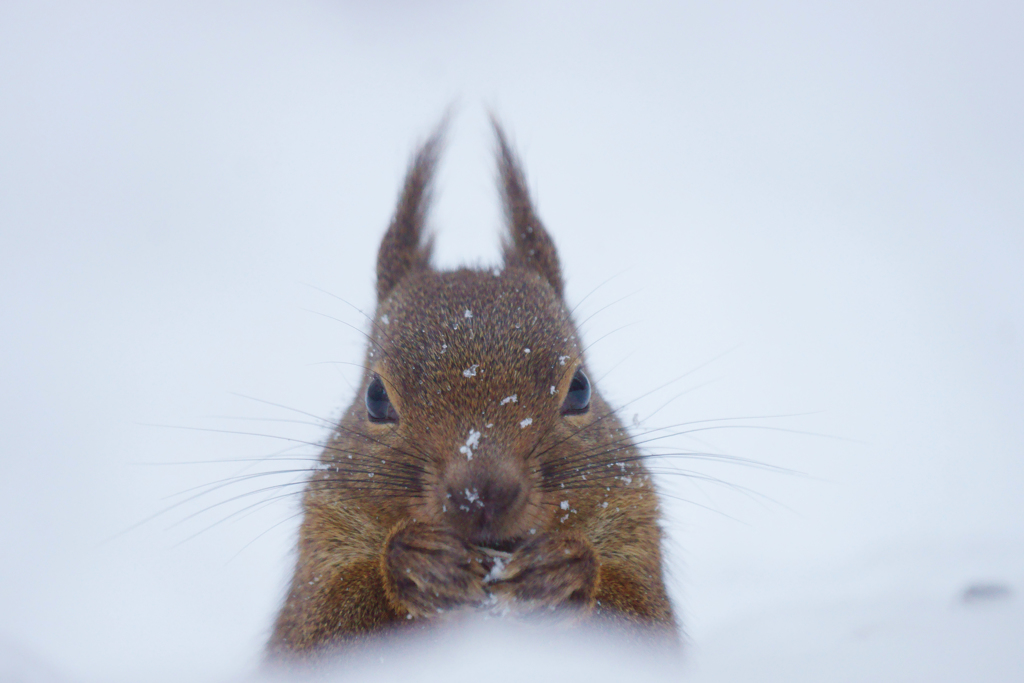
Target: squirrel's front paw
(551, 571)
(428, 570)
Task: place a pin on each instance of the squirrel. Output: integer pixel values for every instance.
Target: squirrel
(478, 464)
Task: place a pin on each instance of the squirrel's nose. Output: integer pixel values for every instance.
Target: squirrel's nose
(483, 508)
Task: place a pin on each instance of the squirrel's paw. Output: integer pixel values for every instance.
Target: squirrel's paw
(429, 571)
(552, 571)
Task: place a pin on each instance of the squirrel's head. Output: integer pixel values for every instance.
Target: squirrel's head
(477, 375)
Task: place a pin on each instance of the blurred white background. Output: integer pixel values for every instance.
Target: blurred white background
(827, 200)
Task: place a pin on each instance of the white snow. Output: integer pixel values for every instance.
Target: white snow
(508, 399)
(471, 442)
(497, 570)
(523, 424)
(471, 370)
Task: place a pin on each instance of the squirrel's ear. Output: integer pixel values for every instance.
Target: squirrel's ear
(526, 243)
(404, 248)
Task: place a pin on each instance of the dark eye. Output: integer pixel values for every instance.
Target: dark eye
(578, 399)
(378, 405)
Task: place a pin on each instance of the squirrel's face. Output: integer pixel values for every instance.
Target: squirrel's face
(476, 367)
(476, 376)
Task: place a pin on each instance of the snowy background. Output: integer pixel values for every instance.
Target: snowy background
(816, 211)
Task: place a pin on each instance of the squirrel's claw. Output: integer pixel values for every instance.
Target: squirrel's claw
(429, 571)
(552, 571)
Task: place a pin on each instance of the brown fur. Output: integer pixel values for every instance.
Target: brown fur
(398, 520)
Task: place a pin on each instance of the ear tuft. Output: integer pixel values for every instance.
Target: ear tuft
(404, 248)
(526, 243)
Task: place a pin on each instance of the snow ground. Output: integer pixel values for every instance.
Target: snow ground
(907, 616)
(811, 213)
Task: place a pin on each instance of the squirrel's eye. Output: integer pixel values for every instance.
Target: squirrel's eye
(578, 399)
(378, 405)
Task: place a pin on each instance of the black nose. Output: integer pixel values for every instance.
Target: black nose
(483, 508)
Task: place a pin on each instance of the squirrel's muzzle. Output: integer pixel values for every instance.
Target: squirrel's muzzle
(484, 500)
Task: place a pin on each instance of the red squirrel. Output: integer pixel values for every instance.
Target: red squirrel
(478, 463)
